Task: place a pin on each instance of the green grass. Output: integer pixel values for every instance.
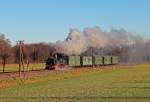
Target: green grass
(15, 67)
(127, 84)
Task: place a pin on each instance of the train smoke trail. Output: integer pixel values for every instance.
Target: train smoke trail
(78, 42)
(129, 47)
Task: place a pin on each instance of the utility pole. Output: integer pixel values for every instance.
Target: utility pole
(92, 54)
(21, 62)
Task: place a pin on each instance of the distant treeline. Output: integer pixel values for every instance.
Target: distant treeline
(33, 53)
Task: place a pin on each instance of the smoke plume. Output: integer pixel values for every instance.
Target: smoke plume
(77, 42)
(129, 47)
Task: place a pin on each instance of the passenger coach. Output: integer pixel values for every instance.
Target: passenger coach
(80, 61)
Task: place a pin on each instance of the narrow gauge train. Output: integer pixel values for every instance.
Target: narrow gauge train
(79, 61)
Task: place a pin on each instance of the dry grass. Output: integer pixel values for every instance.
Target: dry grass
(15, 67)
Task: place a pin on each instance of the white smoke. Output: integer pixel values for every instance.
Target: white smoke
(78, 42)
(75, 43)
(95, 37)
(118, 37)
(128, 46)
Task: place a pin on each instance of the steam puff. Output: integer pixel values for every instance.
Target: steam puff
(77, 42)
(95, 37)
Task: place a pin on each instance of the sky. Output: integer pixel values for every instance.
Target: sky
(50, 20)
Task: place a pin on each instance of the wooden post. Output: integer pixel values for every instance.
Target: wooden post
(28, 65)
(4, 62)
(93, 59)
(20, 43)
(19, 58)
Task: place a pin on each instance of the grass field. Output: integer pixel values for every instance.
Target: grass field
(117, 84)
(14, 67)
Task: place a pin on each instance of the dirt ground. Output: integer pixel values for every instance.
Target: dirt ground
(9, 75)
(27, 74)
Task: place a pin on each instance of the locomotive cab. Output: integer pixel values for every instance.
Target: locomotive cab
(55, 61)
(50, 62)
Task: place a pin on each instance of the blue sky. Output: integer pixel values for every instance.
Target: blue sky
(50, 20)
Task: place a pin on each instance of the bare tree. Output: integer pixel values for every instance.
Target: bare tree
(5, 50)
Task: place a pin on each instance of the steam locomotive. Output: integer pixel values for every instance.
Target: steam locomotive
(79, 61)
